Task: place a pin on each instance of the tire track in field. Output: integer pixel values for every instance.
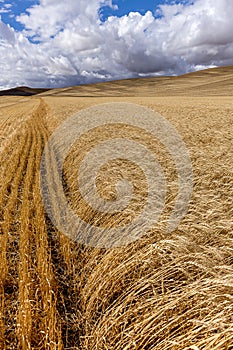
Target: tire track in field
(47, 318)
(67, 259)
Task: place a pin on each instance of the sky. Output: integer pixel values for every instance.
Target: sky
(54, 43)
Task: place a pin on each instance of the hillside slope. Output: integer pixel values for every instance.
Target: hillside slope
(210, 82)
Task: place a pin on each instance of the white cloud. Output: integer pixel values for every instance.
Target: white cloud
(8, 6)
(7, 34)
(5, 8)
(74, 46)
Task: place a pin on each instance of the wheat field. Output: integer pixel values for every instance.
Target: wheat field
(162, 291)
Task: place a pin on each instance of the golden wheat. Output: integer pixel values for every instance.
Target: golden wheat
(163, 291)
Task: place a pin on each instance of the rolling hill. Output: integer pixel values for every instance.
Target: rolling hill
(210, 82)
(21, 91)
(162, 291)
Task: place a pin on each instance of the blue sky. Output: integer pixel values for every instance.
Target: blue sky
(123, 8)
(126, 6)
(17, 7)
(54, 43)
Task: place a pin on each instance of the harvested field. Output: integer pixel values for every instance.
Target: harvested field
(162, 291)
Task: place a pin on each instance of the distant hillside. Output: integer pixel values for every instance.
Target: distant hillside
(21, 91)
(210, 82)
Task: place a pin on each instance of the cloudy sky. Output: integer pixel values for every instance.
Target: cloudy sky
(54, 43)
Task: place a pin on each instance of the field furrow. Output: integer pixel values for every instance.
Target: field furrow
(50, 336)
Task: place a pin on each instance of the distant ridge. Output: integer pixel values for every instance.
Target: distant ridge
(22, 91)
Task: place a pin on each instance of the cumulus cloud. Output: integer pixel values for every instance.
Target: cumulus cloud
(67, 44)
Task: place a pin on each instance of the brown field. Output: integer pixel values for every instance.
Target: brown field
(164, 291)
